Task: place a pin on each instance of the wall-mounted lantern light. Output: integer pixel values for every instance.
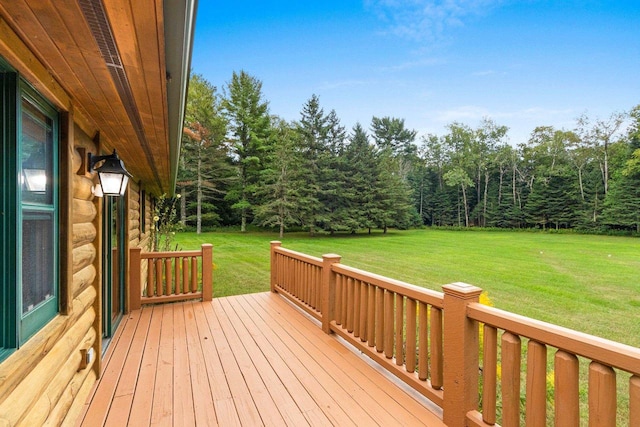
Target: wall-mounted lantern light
(112, 173)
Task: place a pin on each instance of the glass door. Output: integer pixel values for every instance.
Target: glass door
(112, 266)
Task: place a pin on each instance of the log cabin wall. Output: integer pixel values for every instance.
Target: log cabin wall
(46, 381)
(56, 48)
(139, 236)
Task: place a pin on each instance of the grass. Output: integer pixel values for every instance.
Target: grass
(586, 283)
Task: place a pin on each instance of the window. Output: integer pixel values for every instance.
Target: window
(29, 203)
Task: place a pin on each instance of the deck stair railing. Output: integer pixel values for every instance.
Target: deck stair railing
(431, 341)
(170, 276)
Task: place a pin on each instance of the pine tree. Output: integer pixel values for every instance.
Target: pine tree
(203, 167)
(279, 194)
(249, 124)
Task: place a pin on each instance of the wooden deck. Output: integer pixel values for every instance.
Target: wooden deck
(246, 360)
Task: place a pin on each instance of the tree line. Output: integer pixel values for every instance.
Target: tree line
(242, 165)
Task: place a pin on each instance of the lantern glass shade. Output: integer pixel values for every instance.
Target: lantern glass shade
(112, 173)
(113, 184)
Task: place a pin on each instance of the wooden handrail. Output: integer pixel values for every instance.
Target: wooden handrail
(299, 256)
(609, 352)
(171, 276)
(417, 293)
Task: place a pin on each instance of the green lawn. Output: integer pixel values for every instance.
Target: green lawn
(587, 283)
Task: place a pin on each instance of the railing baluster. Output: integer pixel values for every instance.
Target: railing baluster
(307, 283)
(510, 379)
(159, 287)
(566, 394)
(536, 406)
(176, 276)
(350, 304)
(339, 302)
(364, 299)
(356, 308)
(489, 374)
(379, 319)
(371, 316)
(423, 342)
(168, 276)
(316, 287)
(150, 280)
(634, 401)
(345, 292)
(437, 367)
(399, 352)
(602, 395)
(411, 336)
(388, 324)
(185, 274)
(194, 274)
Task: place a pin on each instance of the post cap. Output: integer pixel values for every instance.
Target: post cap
(462, 290)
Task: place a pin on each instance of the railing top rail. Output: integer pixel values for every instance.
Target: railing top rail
(178, 254)
(602, 350)
(299, 256)
(428, 296)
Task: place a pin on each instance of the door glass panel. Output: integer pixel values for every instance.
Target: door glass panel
(38, 269)
(115, 257)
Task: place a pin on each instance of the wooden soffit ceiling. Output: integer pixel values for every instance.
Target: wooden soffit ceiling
(109, 57)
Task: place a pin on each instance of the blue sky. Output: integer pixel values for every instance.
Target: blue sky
(521, 63)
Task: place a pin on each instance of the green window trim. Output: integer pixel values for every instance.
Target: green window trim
(29, 229)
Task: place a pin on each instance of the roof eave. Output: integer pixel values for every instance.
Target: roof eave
(179, 28)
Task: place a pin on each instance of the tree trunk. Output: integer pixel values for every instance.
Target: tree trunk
(421, 198)
(606, 167)
(580, 180)
(281, 219)
(513, 184)
(199, 199)
(484, 208)
(500, 186)
(466, 209)
(183, 206)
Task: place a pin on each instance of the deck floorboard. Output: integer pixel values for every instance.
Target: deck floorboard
(246, 360)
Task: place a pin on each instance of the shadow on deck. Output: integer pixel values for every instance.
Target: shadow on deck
(245, 360)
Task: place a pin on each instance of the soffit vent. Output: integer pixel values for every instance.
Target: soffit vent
(96, 17)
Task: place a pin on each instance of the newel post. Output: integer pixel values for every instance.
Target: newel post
(134, 279)
(207, 272)
(461, 357)
(274, 268)
(328, 302)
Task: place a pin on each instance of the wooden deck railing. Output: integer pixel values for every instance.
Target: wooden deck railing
(431, 341)
(298, 277)
(171, 276)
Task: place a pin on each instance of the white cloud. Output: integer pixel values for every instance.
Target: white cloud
(344, 83)
(427, 20)
(425, 62)
(474, 112)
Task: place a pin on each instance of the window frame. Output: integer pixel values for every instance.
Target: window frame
(16, 327)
